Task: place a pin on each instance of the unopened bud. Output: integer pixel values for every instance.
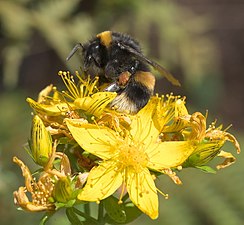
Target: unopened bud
(41, 142)
(63, 191)
(205, 152)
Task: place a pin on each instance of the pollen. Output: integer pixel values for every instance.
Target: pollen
(133, 156)
(43, 192)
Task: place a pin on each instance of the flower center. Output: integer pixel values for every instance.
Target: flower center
(131, 155)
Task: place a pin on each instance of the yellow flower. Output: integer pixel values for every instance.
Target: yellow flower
(85, 87)
(51, 185)
(82, 96)
(165, 109)
(210, 141)
(168, 113)
(85, 94)
(41, 191)
(127, 159)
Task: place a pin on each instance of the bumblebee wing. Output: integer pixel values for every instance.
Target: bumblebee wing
(155, 65)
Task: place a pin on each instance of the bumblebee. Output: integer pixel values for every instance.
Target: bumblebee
(118, 60)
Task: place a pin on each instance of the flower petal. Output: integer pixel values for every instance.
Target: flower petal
(94, 139)
(169, 154)
(50, 110)
(142, 126)
(96, 103)
(180, 108)
(21, 199)
(229, 159)
(102, 182)
(143, 192)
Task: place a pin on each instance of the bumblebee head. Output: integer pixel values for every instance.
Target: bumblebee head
(94, 57)
(95, 53)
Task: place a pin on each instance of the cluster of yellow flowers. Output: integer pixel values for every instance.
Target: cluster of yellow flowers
(87, 151)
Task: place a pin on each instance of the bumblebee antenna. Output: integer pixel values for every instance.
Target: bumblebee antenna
(74, 50)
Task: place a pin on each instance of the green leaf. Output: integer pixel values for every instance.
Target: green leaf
(88, 222)
(73, 218)
(88, 219)
(115, 210)
(129, 211)
(206, 169)
(68, 204)
(132, 212)
(45, 218)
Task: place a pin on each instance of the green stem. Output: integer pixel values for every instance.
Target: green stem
(87, 209)
(45, 218)
(125, 197)
(100, 214)
(86, 216)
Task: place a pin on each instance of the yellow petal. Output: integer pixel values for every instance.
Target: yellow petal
(26, 173)
(96, 103)
(229, 159)
(142, 192)
(94, 139)
(21, 199)
(142, 126)
(169, 154)
(164, 113)
(50, 110)
(180, 108)
(102, 182)
(44, 93)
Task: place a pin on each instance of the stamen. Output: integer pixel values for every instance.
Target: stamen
(227, 128)
(206, 114)
(166, 196)
(64, 93)
(121, 194)
(93, 84)
(70, 84)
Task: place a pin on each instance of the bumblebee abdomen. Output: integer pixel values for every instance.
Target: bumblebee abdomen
(136, 94)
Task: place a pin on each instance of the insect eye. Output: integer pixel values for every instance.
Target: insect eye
(97, 46)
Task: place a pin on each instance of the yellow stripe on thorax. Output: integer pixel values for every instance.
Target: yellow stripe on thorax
(105, 38)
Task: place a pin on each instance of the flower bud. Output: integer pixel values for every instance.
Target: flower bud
(63, 191)
(41, 142)
(204, 152)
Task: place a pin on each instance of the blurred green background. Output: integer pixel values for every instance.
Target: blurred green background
(201, 42)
